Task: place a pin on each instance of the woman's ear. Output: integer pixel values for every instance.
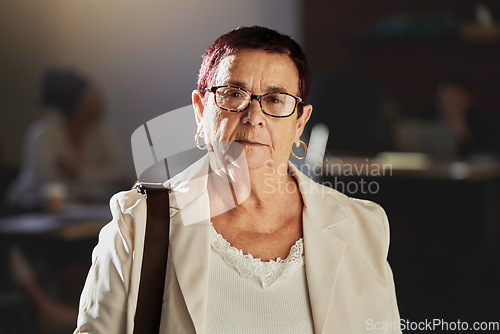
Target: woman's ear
(198, 106)
(301, 122)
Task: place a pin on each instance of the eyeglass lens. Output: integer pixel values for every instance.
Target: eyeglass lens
(234, 99)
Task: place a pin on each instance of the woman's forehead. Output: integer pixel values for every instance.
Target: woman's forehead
(251, 69)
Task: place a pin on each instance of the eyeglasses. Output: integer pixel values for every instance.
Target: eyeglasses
(274, 104)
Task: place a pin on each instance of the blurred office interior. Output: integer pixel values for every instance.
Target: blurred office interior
(385, 75)
(412, 86)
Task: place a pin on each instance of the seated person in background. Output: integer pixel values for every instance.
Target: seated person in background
(71, 150)
(475, 131)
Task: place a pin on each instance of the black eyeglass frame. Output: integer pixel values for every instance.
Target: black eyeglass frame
(254, 97)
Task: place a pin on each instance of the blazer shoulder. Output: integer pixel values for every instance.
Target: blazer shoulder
(127, 200)
(364, 215)
(128, 209)
(362, 206)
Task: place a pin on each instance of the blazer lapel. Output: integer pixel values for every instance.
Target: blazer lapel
(323, 246)
(190, 238)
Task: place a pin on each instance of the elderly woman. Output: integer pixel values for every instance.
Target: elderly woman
(255, 245)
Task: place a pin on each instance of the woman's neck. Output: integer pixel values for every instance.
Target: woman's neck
(269, 185)
(263, 192)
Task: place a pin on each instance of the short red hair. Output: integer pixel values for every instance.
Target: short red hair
(254, 38)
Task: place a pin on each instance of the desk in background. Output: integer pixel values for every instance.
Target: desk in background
(74, 222)
(58, 248)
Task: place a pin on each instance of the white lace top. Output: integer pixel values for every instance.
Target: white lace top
(246, 265)
(248, 295)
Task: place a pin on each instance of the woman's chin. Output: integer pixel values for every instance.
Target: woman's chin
(255, 158)
(263, 163)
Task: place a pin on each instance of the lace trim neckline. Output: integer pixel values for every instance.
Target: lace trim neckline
(267, 272)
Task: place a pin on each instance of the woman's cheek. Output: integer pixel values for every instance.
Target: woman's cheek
(221, 129)
(210, 125)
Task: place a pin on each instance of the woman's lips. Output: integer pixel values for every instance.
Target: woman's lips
(250, 142)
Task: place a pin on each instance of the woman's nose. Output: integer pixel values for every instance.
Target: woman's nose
(253, 113)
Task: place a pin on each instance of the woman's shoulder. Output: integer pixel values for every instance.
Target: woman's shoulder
(357, 204)
(359, 214)
(328, 194)
(128, 209)
(372, 210)
(127, 201)
(324, 196)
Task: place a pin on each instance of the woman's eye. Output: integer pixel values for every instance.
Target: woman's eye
(233, 93)
(274, 100)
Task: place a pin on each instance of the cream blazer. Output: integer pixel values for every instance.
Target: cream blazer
(346, 241)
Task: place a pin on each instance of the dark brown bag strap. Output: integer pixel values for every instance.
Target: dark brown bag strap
(154, 259)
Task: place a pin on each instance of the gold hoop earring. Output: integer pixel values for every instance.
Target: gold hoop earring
(196, 136)
(305, 153)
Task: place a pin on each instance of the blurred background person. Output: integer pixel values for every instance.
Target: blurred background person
(475, 131)
(454, 128)
(70, 153)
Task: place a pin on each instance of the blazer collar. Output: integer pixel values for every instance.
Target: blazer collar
(190, 237)
(190, 240)
(324, 248)
(315, 197)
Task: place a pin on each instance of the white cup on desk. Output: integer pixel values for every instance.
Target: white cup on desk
(54, 195)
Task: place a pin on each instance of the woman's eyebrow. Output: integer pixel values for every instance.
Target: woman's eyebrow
(276, 89)
(241, 84)
(238, 83)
